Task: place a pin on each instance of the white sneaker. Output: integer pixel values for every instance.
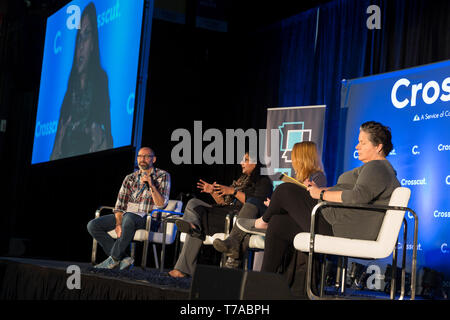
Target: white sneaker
(109, 263)
(126, 262)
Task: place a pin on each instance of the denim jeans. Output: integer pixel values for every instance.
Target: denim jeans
(98, 228)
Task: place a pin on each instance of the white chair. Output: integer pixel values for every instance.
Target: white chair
(385, 244)
(255, 244)
(145, 235)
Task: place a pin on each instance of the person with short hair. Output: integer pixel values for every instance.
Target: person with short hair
(289, 211)
(141, 191)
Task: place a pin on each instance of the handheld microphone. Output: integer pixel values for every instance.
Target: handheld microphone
(146, 182)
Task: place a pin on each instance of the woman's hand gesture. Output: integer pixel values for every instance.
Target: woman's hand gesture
(205, 186)
(222, 190)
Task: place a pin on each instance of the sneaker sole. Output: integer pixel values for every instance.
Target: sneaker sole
(127, 266)
(259, 232)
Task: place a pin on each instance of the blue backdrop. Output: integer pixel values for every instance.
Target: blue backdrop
(414, 103)
(119, 26)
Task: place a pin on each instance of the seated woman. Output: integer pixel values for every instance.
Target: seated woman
(307, 167)
(289, 212)
(245, 196)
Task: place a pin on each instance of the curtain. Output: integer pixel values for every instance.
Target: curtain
(313, 65)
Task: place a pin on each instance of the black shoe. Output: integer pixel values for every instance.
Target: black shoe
(184, 226)
(227, 246)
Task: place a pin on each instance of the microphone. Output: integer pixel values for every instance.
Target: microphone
(146, 182)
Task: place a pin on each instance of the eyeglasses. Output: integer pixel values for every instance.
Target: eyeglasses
(145, 156)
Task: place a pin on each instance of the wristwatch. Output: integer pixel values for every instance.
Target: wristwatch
(321, 194)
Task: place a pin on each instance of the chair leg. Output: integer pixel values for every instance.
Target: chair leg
(393, 270)
(155, 255)
(338, 274)
(144, 254)
(132, 249)
(343, 274)
(94, 251)
(248, 260)
(177, 248)
(405, 238)
(309, 276)
(322, 276)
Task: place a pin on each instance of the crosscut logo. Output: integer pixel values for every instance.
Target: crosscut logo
(430, 92)
(45, 129)
(447, 179)
(441, 214)
(409, 246)
(443, 147)
(109, 15)
(413, 182)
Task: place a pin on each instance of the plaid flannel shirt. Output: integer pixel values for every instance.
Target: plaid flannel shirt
(132, 191)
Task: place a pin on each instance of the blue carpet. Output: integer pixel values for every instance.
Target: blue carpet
(151, 276)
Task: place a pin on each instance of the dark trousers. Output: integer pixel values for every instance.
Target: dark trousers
(98, 228)
(289, 213)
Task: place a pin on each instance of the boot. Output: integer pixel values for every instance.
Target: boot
(232, 263)
(231, 245)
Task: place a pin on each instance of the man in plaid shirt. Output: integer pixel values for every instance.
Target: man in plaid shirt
(141, 191)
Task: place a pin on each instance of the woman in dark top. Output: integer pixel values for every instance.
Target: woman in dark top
(289, 212)
(245, 197)
(84, 124)
(307, 166)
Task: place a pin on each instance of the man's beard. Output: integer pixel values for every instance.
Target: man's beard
(144, 166)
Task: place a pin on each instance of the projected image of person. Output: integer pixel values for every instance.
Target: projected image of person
(289, 211)
(84, 124)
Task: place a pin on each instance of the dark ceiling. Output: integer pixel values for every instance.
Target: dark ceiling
(242, 14)
(258, 13)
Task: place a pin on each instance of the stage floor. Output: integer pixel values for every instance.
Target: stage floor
(38, 279)
(34, 279)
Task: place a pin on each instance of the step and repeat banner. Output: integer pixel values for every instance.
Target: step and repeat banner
(414, 103)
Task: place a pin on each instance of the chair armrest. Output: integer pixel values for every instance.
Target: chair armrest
(322, 204)
(167, 218)
(361, 206)
(171, 213)
(100, 209)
